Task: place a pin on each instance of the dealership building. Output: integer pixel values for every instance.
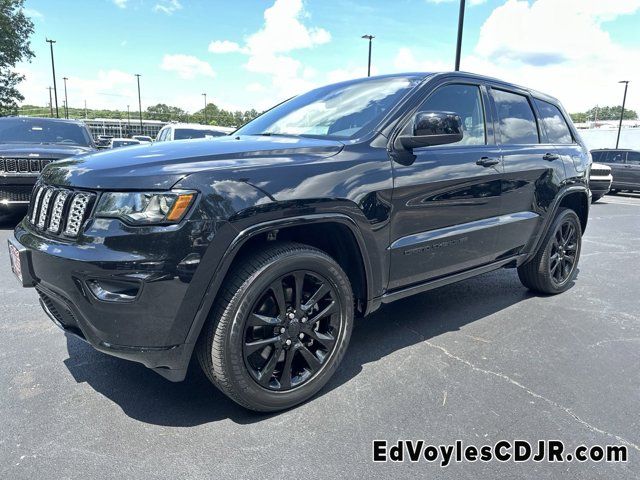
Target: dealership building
(123, 128)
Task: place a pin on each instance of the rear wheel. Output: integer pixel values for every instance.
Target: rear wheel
(595, 198)
(554, 267)
(279, 329)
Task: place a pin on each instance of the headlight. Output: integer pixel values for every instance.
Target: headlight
(145, 208)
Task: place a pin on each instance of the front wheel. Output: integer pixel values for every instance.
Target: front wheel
(596, 197)
(554, 267)
(280, 328)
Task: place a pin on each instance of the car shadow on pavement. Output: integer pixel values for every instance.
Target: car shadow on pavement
(147, 397)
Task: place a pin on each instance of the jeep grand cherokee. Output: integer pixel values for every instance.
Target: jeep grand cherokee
(256, 251)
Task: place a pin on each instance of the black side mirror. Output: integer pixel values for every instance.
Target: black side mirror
(433, 128)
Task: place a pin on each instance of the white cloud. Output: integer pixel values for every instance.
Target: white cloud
(255, 87)
(186, 66)
(269, 49)
(559, 48)
(33, 14)
(167, 6)
(224, 46)
(120, 3)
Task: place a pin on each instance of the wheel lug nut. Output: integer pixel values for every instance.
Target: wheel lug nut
(282, 329)
(304, 319)
(301, 336)
(291, 315)
(288, 341)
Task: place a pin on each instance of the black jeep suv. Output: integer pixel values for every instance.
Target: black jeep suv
(256, 251)
(27, 145)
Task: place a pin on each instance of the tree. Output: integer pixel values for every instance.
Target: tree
(609, 113)
(15, 30)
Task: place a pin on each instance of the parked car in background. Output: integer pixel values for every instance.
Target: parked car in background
(102, 141)
(625, 167)
(187, 131)
(123, 142)
(27, 145)
(142, 138)
(254, 252)
(599, 181)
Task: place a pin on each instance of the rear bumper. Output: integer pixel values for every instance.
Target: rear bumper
(600, 185)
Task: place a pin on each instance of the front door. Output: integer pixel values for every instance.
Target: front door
(630, 171)
(446, 203)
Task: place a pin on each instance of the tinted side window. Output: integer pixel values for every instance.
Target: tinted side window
(616, 157)
(633, 158)
(466, 101)
(554, 123)
(598, 156)
(517, 122)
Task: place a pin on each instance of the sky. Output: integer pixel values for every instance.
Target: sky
(255, 53)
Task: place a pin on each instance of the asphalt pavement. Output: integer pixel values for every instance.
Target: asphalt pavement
(480, 361)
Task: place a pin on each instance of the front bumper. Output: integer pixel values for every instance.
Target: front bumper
(151, 327)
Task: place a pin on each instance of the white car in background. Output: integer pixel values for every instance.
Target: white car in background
(188, 131)
(600, 180)
(123, 142)
(142, 138)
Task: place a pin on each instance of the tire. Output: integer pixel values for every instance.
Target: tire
(595, 198)
(613, 191)
(248, 311)
(539, 274)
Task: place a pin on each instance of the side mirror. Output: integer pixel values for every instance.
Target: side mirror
(433, 128)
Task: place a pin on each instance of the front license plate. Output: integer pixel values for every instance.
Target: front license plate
(16, 265)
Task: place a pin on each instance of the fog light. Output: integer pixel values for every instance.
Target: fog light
(114, 290)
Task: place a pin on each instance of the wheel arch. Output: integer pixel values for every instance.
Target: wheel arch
(247, 238)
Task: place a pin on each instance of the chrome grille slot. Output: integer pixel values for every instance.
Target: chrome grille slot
(23, 165)
(44, 207)
(35, 201)
(57, 211)
(12, 165)
(77, 212)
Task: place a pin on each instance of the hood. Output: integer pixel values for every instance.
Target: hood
(40, 150)
(160, 165)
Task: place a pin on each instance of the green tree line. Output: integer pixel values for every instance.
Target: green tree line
(604, 113)
(165, 113)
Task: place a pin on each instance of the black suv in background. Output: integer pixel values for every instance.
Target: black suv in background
(625, 167)
(27, 145)
(257, 250)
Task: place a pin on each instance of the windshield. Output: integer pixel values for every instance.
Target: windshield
(341, 111)
(188, 133)
(42, 131)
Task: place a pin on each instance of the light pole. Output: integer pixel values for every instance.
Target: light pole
(66, 100)
(53, 68)
(205, 108)
(139, 102)
(624, 100)
(369, 37)
(50, 100)
(460, 27)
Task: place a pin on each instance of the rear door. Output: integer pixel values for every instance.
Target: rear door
(446, 202)
(616, 160)
(632, 170)
(533, 168)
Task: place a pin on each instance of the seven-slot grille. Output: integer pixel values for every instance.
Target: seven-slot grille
(58, 210)
(600, 172)
(23, 165)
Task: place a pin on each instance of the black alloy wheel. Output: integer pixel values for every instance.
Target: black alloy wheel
(555, 265)
(564, 249)
(291, 330)
(280, 327)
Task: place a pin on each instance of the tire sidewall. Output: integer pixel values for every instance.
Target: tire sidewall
(240, 307)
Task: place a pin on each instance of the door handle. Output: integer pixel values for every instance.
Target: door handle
(550, 157)
(487, 162)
